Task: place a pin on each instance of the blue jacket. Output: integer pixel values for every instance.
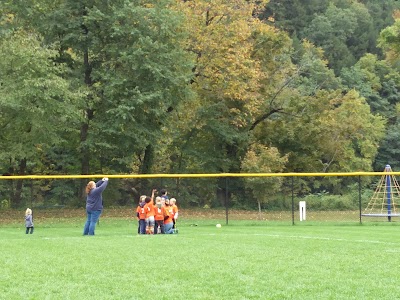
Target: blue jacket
(28, 221)
(94, 200)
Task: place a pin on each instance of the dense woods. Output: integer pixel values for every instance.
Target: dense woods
(141, 87)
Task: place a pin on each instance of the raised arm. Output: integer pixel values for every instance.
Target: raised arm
(152, 194)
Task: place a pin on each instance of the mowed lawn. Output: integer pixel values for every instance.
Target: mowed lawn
(244, 260)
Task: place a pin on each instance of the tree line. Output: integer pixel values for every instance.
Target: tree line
(91, 87)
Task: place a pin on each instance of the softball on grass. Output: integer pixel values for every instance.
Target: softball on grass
(218, 225)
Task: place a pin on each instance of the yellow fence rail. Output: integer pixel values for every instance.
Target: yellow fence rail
(199, 175)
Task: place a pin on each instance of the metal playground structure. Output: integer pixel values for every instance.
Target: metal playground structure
(386, 197)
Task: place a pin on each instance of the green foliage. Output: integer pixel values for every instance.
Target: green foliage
(378, 82)
(390, 149)
(293, 16)
(5, 204)
(36, 103)
(349, 200)
(195, 87)
(134, 67)
(232, 47)
(35, 100)
(331, 131)
(314, 72)
(331, 31)
(345, 29)
(261, 159)
(330, 202)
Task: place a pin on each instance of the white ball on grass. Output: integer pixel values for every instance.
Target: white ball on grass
(218, 225)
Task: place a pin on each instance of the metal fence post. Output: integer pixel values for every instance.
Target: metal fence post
(292, 200)
(226, 199)
(359, 196)
(31, 194)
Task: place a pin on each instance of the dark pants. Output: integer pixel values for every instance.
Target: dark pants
(159, 223)
(142, 226)
(27, 230)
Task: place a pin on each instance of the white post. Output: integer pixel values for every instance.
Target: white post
(302, 210)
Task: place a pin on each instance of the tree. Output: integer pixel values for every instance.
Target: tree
(128, 60)
(328, 132)
(313, 73)
(236, 54)
(331, 32)
(35, 102)
(261, 159)
(389, 85)
(328, 23)
(293, 15)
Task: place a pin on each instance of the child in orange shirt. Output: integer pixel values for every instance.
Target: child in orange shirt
(168, 221)
(149, 211)
(174, 211)
(141, 215)
(160, 214)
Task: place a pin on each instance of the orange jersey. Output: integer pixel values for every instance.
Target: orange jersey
(142, 214)
(175, 209)
(149, 209)
(170, 214)
(159, 213)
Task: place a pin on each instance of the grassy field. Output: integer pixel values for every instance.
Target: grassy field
(245, 260)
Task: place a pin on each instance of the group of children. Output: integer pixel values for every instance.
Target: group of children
(159, 217)
(154, 218)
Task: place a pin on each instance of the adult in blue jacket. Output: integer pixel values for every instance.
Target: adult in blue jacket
(94, 204)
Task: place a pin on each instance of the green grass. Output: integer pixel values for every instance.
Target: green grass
(240, 261)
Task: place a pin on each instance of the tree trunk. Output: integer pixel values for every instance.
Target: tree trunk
(16, 195)
(147, 160)
(89, 113)
(146, 166)
(259, 210)
(84, 158)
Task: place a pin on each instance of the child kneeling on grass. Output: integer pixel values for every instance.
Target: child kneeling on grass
(168, 222)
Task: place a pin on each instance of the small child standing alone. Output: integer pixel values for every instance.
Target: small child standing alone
(28, 221)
